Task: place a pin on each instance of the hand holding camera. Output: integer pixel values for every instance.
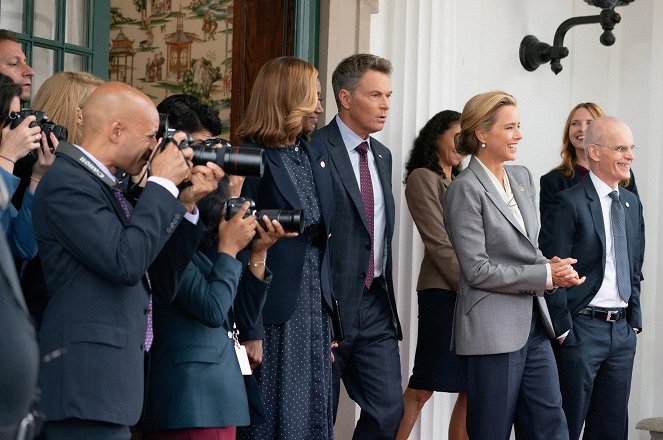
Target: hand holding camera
(236, 233)
(171, 162)
(19, 140)
(38, 119)
(204, 179)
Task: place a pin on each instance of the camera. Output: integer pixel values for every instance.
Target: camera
(292, 221)
(238, 161)
(41, 120)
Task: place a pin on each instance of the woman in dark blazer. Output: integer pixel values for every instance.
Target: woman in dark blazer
(293, 338)
(433, 163)
(574, 166)
(195, 388)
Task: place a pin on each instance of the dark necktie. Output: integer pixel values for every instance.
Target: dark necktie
(149, 334)
(617, 224)
(367, 197)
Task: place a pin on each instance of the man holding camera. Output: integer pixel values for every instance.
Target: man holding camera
(104, 260)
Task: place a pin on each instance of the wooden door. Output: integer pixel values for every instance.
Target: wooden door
(262, 29)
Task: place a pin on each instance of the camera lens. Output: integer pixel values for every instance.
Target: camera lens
(292, 221)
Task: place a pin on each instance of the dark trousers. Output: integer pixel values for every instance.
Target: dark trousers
(369, 363)
(595, 367)
(519, 389)
(77, 429)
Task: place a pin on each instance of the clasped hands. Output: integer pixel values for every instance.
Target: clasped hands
(563, 273)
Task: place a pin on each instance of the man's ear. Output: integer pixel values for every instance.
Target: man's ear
(593, 151)
(115, 130)
(345, 98)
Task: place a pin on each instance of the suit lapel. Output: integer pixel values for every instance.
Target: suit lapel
(595, 211)
(492, 194)
(384, 173)
(282, 179)
(520, 195)
(322, 179)
(341, 161)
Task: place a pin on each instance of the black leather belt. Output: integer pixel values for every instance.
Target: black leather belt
(604, 315)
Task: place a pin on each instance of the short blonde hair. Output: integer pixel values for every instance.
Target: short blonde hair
(284, 93)
(479, 113)
(61, 94)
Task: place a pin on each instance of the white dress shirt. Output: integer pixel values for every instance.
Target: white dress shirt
(352, 141)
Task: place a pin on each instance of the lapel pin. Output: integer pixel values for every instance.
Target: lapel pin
(380, 156)
(521, 188)
(627, 205)
(322, 163)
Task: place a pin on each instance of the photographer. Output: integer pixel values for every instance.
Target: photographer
(14, 144)
(105, 260)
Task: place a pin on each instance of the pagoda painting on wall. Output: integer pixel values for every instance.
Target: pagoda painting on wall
(164, 47)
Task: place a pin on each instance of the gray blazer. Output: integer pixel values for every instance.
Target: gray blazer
(502, 268)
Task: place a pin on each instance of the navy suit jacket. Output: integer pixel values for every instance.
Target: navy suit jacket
(194, 377)
(276, 190)
(94, 262)
(574, 228)
(350, 241)
(19, 356)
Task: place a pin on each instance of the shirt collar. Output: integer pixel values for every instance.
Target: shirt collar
(602, 188)
(101, 166)
(350, 138)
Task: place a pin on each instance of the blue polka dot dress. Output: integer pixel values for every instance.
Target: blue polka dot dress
(295, 376)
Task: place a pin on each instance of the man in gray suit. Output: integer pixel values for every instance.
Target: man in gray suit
(367, 360)
(597, 322)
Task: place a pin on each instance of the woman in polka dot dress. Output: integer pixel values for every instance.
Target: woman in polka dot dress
(293, 340)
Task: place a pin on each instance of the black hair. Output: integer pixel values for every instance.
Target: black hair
(211, 210)
(8, 90)
(188, 114)
(424, 153)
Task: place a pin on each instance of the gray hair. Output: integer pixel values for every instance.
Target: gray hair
(350, 70)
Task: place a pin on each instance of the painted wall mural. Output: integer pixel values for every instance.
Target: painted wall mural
(164, 47)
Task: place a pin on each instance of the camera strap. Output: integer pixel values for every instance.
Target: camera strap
(66, 149)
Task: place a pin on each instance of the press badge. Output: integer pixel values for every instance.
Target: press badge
(242, 357)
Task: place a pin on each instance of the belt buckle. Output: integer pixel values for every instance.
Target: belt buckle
(612, 315)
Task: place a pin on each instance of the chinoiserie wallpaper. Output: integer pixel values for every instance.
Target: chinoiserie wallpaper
(163, 47)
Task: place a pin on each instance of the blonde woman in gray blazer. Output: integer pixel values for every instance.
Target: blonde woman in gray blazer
(501, 324)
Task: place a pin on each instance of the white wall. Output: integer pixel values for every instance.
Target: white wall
(445, 51)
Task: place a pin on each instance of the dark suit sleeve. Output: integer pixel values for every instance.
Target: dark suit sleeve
(634, 314)
(556, 239)
(167, 268)
(549, 187)
(250, 300)
(249, 324)
(209, 300)
(87, 225)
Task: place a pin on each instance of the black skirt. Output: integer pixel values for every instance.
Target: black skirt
(436, 367)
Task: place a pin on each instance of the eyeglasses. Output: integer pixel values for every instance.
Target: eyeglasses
(621, 149)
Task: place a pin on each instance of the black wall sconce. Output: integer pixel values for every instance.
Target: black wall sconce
(533, 52)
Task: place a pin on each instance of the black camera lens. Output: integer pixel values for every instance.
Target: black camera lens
(238, 161)
(292, 221)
